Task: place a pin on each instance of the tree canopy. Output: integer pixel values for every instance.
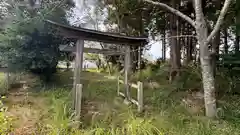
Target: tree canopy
(29, 43)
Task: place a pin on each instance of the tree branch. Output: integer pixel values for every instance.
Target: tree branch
(220, 20)
(172, 10)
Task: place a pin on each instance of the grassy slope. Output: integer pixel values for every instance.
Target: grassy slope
(104, 113)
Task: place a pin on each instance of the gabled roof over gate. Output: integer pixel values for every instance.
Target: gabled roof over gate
(93, 35)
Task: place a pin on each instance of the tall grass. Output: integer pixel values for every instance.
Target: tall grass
(163, 114)
(133, 126)
(61, 121)
(126, 122)
(60, 117)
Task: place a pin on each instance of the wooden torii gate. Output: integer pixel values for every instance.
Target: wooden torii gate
(82, 34)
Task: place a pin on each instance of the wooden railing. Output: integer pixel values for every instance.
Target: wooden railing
(139, 87)
(138, 102)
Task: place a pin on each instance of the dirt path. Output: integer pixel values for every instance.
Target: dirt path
(25, 109)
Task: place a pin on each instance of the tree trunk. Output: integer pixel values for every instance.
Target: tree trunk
(181, 40)
(216, 44)
(237, 43)
(205, 59)
(164, 45)
(237, 27)
(189, 45)
(134, 58)
(68, 64)
(225, 32)
(174, 47)
(215, 49)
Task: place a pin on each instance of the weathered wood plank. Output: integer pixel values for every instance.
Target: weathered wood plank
(134, 101)
(130, 84)
(121, 94)
(78, 100)
(131, 100)
(65, 48)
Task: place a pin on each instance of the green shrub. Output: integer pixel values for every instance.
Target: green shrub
(228, 73)
(189, 78)
(145, 74)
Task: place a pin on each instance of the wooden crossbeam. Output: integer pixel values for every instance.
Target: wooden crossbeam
(130, 84)
(131, 99)
(90, 50)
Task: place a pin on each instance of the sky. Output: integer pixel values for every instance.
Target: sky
(82, 12)
(155, 50)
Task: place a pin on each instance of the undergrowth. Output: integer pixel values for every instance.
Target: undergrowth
(170, 119)
(3, 84)
(5, 121)
(104, 114)
(6, 83)
(61, 120)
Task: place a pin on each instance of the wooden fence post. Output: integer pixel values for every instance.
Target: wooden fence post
(140, 96)
(78, 100)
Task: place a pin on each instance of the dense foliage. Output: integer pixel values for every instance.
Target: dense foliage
(30, 44)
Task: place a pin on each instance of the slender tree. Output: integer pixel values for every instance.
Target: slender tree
(174, 46)
(216, 43)
(164, 44)
(237, 39)
(225, 36)
(237, 23)
(200, 24)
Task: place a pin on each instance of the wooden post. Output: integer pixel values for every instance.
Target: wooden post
(78, 100)
(78, 67)
(127, 69)
(140, 96)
